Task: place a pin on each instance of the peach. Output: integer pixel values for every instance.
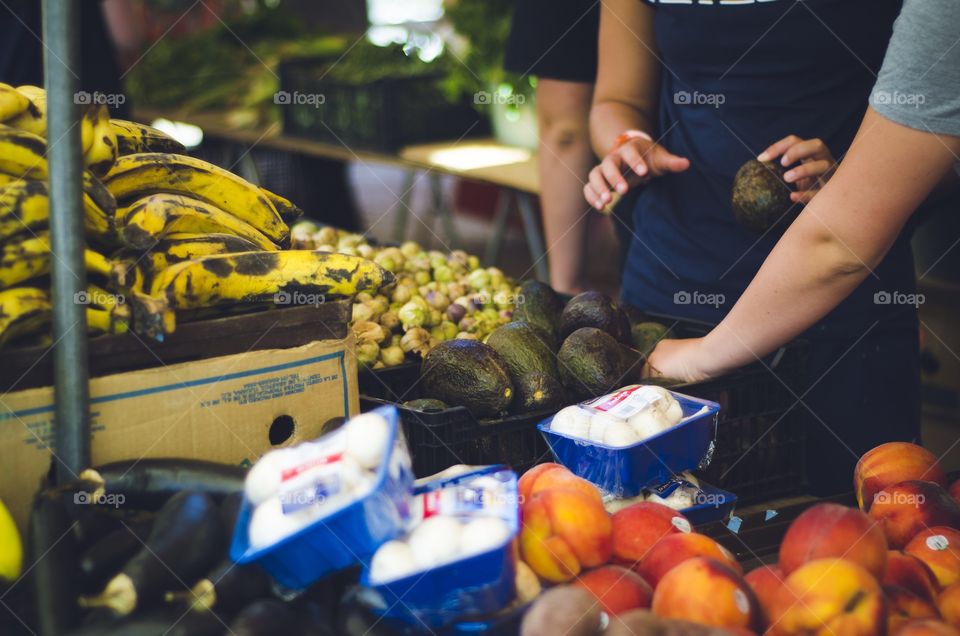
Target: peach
(909, 572)
(891, 463)
(949, 604)
(674, 549)
(638, 527)
(939, 549)
(831, 530)
(829, 597)
(906, 508)
(563, 532)
(765, 581)
(617, 589)
(707, 592)
(926, 628)
(550, 477)
(904, 606)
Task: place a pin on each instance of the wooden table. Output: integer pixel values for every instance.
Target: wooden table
(513, 170)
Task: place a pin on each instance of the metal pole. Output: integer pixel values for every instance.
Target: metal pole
(61, 63)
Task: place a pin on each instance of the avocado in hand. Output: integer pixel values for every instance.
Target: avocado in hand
(468, 373)
(531, 363)
(592, 363)
(595, 309)
(761, 198)
(646, 335)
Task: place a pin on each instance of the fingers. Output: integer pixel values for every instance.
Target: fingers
(777, 149)
(806, 150)
(597, 190)
(805, 196)
(663, 161)
(810, 170)
(632, 157)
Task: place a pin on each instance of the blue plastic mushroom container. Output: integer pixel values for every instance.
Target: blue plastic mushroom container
(625, 471)
(710, 504)
(479, 584)
(345, 537)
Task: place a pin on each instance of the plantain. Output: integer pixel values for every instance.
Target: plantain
(151, 316)
(209, 281)
(12, 102)
(25, 206)
(137, 175)
(101, 153)
(133, 138)
(32, 119)
(151, 218)
(23, 311)
(102, 321)
(287, 209)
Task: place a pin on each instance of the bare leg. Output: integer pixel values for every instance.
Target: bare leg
(563, 110)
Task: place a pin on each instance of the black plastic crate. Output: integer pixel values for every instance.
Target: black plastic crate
(386, 114)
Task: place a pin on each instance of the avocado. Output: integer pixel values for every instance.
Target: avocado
(540, 307)
(468, 373)
(646, 335)
(592, 363)
(536, 391)
(595, 309)
(426, 405)
(531, 363)
(761, 198)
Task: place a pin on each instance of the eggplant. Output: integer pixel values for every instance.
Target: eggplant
(173, 620)
(265, 617)
(149, 483)
(55, 570)
(92, 523)
(186, 539)
(108, 555)
(227, 588)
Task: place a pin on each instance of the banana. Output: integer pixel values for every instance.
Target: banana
(23, 311)
(135, 176)
(11, 548)
(102, 151)
(32, 92)
(12, 102)
(263, 276)
(151, 218)
(133, 137)
(151, 316)
(33, 119)
(27, 256)
(101, 321)
(25, 206)
(288, 210)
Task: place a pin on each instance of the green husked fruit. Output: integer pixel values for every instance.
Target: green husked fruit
(536, 391)
(426, 405)
(539, 306)
(646, 335)
(761, 198)
(595, 309)
(468, 373)
(592, 363)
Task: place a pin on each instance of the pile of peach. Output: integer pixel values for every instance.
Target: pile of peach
(892, 567)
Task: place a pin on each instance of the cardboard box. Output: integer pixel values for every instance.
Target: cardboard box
(229, 409)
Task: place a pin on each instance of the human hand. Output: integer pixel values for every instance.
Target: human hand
(635, 161)
(678, 360)
(816, 167)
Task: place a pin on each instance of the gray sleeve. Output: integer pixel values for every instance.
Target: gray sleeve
(919, 84)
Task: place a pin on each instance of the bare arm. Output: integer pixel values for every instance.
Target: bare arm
(835, 243)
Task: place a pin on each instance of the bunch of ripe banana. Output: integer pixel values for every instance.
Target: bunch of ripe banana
(181, 234)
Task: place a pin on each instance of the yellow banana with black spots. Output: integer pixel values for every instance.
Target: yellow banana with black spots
(287, 209)
(12, 102)
(135, 176)
(266, 277)
(152, 316)
(25, 206)
(27, 256)
(151, 218)
(23, 311)
(176, 248)
(33, 119)
(133, 137)
(101, 153)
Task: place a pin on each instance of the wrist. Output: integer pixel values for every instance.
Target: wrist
(627, 136)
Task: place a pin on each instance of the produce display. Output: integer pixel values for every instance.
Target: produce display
(167, 233)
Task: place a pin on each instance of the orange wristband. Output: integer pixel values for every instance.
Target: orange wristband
(629, 135)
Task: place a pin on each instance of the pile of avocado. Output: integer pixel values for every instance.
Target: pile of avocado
(548, 356)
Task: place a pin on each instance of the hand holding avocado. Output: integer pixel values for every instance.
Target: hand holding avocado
(816, 167)
(635, 161)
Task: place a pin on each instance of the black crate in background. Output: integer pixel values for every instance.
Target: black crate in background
(386, 114)
(759, 452)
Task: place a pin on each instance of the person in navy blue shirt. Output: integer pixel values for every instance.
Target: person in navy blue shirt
(689, 90)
